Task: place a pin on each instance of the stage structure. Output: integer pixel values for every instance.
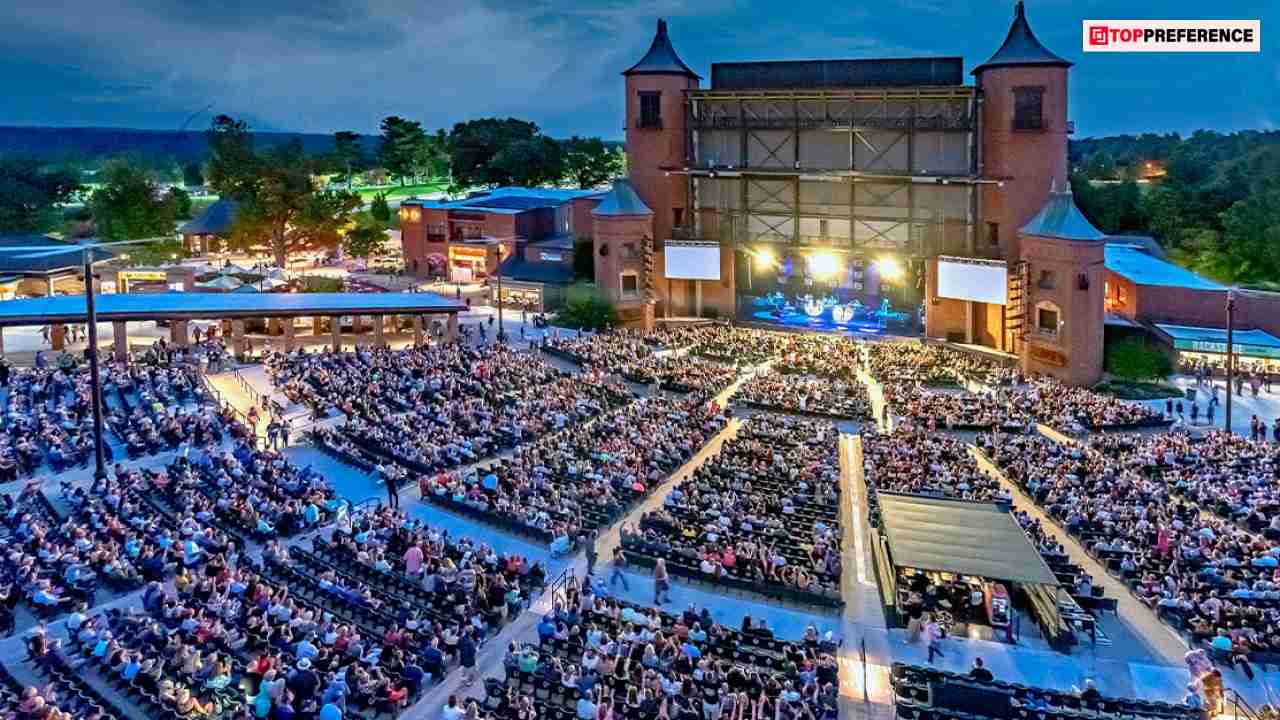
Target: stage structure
(867, 165)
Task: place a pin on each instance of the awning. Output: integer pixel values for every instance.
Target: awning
(965, 538)
(1247, 343)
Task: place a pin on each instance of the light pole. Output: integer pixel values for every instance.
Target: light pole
(1231, 365)
(502, 337)
(95, 376)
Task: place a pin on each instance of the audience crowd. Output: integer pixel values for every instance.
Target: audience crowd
(787, 392)
(764, 510)
(1181, 521)
(598, 657)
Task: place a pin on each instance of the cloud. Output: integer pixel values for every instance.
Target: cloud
(331, 64)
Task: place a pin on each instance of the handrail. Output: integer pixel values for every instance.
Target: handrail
(560, 586)
(1240, 707)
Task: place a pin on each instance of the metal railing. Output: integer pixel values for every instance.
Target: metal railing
(560, 587)
(1236, 707)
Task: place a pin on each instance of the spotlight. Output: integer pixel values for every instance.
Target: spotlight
(824, 264)
(765, 259)
(889, 268)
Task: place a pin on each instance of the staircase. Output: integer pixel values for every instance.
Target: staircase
(1015, 308)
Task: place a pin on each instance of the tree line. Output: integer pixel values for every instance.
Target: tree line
(1214, 205)
(281, 201)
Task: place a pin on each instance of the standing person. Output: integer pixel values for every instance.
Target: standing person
(1212, 409)
(933, 638)
(393, 493)
(589, 539)
(661, 582)
(467, 657)
(284, 432)
(1195, 412)
(620, 557)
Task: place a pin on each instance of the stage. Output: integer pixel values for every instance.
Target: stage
(829, 314)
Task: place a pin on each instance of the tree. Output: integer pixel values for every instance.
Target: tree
(181, 200)
(191, 175)
(323, 219)
(29, 195)
(363, 240)
(590, 162)
(347, 155)
(474, 145)
(271, 199)
(586, 309)
(379, 208)
(1132, 360)
(530, 162)
(233, 165)
(405, 147)
(129, 205)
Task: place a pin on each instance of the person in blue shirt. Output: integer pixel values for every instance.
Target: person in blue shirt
(546, 629)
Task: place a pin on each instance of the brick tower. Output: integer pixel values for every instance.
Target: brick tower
(1064, 257)
(656, 141)
(1023, 125)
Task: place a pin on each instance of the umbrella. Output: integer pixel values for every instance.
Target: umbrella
(271, 283)
(276, 274)
(245, 289)
(234, 269)
(222, 282)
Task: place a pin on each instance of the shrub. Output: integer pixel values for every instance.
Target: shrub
(586, 309)
(1133, 359)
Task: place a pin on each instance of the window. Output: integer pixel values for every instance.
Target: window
(1047, 318)
(651, 110)
(1028, 108)
(630, 285)
(629, 251)
(1047, 280)
(677, 217)
(993, 234)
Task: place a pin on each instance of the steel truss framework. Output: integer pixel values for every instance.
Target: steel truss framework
(836, 169)
(845, 214)
(908, 132)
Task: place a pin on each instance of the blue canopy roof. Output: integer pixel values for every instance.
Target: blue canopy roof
(1131, 263)
(191, 305)
(1249, 343)
(1021, 47)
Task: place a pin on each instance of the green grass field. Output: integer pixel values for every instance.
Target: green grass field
(397, 192)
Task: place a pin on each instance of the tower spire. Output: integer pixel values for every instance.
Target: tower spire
(1021, 46)
(662, 58)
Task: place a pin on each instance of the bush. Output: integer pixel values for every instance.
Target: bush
(1133, 359)
(586, 309)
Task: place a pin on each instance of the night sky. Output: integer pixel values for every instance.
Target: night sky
(325, 65)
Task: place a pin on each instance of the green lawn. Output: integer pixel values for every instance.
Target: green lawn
(396, 192)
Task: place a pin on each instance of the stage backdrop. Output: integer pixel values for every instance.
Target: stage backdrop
(977, 280)
(692, 260)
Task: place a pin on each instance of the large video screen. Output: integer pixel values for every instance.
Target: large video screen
(692, 261)
(979, 282)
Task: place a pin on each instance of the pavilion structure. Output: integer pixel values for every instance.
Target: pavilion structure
(235, 309)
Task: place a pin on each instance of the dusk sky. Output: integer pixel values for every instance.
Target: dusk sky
(326, 65)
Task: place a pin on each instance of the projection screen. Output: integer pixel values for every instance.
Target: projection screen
(980, 281)
(692, 261)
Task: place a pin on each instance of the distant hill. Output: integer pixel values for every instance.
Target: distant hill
(91, 144)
